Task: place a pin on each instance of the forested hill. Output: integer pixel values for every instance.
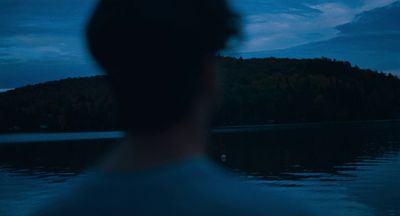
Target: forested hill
(306, 90)
(256, 91)
(75, 104)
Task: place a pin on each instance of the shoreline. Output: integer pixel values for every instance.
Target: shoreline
(32, 137)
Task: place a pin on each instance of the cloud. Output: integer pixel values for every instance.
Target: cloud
(372, 4)
(283, 30)
(298, 22)
(382, 20)
(43, 40)
(371, 40)
(42, 29)
(41, 47)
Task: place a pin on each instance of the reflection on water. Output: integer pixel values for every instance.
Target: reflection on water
(21, 193)
(370, 189)
(347, 169)
(344, 169)
(32, 174)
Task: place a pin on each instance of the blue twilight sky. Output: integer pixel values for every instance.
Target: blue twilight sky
(43, 40)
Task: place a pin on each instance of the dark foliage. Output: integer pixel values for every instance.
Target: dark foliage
(75, 104)
(258, 91)
(255, 91)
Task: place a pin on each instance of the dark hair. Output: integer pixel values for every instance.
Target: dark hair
(152, 52)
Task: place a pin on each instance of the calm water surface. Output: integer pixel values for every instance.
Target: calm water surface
(338, 169)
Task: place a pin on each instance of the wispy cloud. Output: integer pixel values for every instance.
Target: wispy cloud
(371, 4)
(43, 40)
(371, 40)
(293, 27)
(33, 47)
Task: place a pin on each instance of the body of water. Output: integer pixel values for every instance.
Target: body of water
(338, 169)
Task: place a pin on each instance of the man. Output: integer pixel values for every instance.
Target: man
(160, 58)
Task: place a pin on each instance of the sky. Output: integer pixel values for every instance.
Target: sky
(42, 40)
(273, 24)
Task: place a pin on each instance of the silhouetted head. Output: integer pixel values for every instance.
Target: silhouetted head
(154, 52)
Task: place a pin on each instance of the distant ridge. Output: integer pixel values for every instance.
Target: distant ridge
(255, 92)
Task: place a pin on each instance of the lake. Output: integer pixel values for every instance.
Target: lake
(337, 168)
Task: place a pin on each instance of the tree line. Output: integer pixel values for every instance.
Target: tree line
(254, 91)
